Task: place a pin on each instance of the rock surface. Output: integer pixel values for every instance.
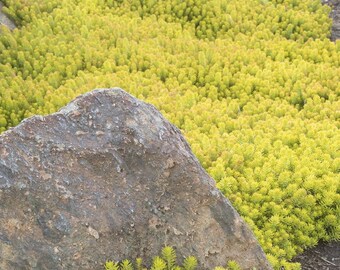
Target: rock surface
(4, 20)
(335, 15)
(107, 177)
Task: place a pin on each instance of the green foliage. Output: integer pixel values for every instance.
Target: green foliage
(139, 264)
(126, 265)
(158, 264)
(167, 260)
(253, 85)
(110, 265)
(232, 265)
(190, 263)
(169, 256)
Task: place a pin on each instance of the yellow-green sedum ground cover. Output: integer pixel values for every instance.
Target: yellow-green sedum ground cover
(253, 85)
(166, 260)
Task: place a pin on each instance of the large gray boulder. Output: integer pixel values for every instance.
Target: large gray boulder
(107, 177)
(4, 20)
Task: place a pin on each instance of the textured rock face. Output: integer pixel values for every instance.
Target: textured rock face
(335, 15)
(4, 20)
(107, 177)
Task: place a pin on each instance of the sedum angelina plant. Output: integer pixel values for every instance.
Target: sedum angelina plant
(166, 261)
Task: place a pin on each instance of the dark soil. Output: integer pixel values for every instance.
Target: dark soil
(324, 256)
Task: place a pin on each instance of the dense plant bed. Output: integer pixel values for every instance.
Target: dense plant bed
(253, 85)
